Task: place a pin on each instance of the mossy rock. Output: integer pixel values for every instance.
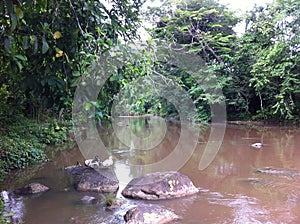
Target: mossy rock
(32, 188)
(102, 180)
(160, 185)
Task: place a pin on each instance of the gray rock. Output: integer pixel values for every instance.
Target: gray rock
(13, 208)
(87, 199)
(72, 167)
(100, 180)
(32, 188)
(160, 185)
(149, 214)
(75, 170)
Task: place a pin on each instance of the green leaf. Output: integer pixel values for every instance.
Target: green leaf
(8, 43)
(110, 43)
(87, 106)
(20, 57)
(19, 12)
(14, 21)
(34, 43)
(112, 78)
(26, 42)
(45, 45)
(76, 74)
(19, 64)
(51, 81)
(94, 103)
(43, 82)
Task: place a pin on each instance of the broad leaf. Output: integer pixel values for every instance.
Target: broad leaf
(19, 12)
(14, 21)
(45, 45)
(8, 43)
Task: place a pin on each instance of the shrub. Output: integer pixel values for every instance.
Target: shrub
(23, 142)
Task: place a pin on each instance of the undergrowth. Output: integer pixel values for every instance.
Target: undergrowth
(23, 141)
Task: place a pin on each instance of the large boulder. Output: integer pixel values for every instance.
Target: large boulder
(149, 214)
(32, 188)
(160, 185)
(102, 180)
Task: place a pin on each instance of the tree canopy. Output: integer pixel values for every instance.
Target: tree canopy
(258, 71)
(47, 47)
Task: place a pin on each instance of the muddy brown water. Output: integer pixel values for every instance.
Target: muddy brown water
(231, 189)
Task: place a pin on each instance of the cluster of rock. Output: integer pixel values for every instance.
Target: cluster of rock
(154, 186)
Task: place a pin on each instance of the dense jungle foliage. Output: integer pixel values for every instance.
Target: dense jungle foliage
(49, 47)
(258, 70)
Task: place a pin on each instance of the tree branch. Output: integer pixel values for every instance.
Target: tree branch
(206, 46)
(76, 17)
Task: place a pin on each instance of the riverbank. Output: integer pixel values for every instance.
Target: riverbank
(23, 142)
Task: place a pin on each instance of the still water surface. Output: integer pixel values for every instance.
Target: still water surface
(231, 190)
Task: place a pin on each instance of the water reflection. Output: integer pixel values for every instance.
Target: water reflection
(232, 189)
(147, 144)
(140, 133)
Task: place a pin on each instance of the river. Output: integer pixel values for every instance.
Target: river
(232, 188)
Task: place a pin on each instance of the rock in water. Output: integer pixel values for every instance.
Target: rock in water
(281, 172)
(33, 188)
(103, 181)
(160, 185)
(13, 207)
(149, 214)
(87, 199)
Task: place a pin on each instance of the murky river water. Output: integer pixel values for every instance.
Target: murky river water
(232, 190)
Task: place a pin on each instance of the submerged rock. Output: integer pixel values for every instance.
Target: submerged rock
(115, 203)
(87, 199)
(160, 185)
(281, 172)
(117, 216)
(149, 214)
(101, 180)
(32, 188)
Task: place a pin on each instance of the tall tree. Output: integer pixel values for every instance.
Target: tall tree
(275, 75)
(47, 44)
(205, 28)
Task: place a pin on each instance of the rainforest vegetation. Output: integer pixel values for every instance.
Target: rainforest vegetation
(48, 47)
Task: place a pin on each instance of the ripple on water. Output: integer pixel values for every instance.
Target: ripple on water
(245, 209)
